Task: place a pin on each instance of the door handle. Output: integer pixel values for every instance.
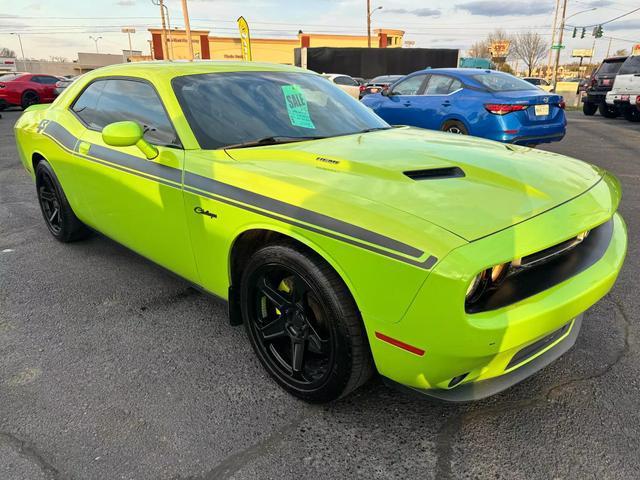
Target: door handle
(446, 103)
(407, 104)
(83, 147)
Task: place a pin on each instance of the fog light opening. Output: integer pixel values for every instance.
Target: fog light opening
(456, 380)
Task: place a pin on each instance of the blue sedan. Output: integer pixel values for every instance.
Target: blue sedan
(484, 103)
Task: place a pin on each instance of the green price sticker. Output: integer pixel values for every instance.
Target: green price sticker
(297, 106)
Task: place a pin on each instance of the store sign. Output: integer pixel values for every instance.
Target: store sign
(500, 48)
(582, 53)
(636, 49)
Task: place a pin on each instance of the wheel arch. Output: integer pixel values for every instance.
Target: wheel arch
(250, 239)
(456, 118)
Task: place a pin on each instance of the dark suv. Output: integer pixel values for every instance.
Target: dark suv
(600, 83)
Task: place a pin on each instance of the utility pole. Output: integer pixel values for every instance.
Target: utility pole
(165, 47)
(129, 31)
(553, 37)
(609, 47)
(557, 62)
(187, 27)
(369, 23)
(20, 42)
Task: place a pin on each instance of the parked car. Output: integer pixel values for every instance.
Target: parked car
(64, 83)
(540, 83)
(484, 103)
(360, 80)
(344, 82)
(25, 89)
(454, 266)
(377, 84)
(601, 82)
(626, 89)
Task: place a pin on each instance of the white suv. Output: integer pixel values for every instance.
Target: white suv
(625, 93)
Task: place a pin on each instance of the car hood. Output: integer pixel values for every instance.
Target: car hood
(468, 186)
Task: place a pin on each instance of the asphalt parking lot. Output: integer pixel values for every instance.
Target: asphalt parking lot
(111, 368)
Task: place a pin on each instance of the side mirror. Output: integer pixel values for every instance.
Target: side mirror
(386, 92)
(127, 134)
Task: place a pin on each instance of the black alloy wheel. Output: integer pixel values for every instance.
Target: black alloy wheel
(58, 215)
(608, 111)
(29, 98)
(454, 127)
(303, 324)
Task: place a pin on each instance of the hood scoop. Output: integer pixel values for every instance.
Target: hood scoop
(435, 173)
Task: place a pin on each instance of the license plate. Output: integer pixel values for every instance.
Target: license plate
(606, 81)
(542, 110)
(624, 98)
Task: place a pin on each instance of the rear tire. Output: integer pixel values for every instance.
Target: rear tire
(56, 211)
(453, 126)
(303, 323)
(632, 114)
(29, 98)
(608, 111)
(589, 108)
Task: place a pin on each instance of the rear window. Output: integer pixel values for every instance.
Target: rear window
(385, 79)
(610, 67)
(502, 82)
(631, 66)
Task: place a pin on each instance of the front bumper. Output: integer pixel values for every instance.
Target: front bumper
(539, 359)
(482, 346)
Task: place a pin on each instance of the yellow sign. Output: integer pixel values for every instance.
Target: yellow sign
(500, 48)
(245, 39)
(583, 53)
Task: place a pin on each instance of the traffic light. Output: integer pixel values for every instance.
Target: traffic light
(575, 31)
(599, 31)
(583, 32)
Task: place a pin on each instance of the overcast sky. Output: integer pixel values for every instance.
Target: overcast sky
(63, 27)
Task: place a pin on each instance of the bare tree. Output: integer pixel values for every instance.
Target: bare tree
(481, 48)
(623, 52)
(56, 58)
(530, 47)
(7, 52)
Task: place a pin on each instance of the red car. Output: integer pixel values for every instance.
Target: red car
(25, 89)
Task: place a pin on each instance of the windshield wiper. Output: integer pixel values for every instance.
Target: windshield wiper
(273, 140)
(373, 129)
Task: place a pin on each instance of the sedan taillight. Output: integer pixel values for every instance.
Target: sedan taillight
(503, 109)
(562, 104)
(363, 88)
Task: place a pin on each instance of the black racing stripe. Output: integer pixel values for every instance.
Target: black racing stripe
(136, 163)
(298, 213)
(61, 135)
(426, 264)
(238, 196)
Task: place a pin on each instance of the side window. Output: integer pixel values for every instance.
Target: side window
(346, 81)
(410, 86)
(438, 85)
(46, 80)
(455, 85)
(119, 100)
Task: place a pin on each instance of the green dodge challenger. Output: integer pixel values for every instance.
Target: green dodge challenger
(451, 265)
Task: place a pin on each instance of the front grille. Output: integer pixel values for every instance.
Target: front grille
(563, 264)
(530, 350)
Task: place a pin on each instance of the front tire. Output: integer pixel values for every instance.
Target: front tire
(608, 111)
(589, 108)
(56, 211)
(303, 324)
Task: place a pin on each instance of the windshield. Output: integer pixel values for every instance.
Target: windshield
(610, 67)
(502, 82)
(238, 107)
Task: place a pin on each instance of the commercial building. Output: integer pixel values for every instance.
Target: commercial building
(276, 50)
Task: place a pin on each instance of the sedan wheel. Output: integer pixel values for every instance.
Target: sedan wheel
(303, 324)
(28, 99)
(454, 127)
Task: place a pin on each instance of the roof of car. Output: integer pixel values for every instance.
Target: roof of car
(460, 71)
(178, 68)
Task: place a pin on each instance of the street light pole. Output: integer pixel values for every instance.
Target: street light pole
(20, 42)
(187, 27)
(95, 39)
(553, 38)
(369, 13)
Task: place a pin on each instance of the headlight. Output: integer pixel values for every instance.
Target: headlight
(485, 280)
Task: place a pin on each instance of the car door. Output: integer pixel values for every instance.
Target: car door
(402, 104)
(45, 87)
(628, 78)
(136, 201)
(438, 100)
